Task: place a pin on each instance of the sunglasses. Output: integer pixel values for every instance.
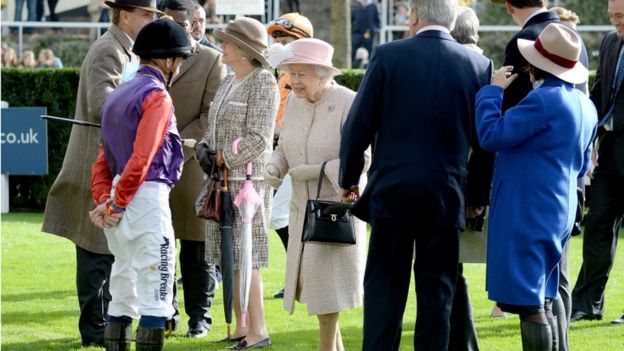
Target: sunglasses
(288, 25)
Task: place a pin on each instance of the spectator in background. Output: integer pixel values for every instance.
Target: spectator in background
(9, 57)
(28, 59)
(52, 7)
(567, 17)
(365, 25)
(211, 15)
(47, 59)
(198, 28)
(286, 29)
(31, 5)
(401, 18)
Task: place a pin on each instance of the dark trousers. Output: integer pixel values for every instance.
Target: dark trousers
(387, 280)
(92, 281)
(198, 281)
(599, 242)
(463, 335)
(283, 235)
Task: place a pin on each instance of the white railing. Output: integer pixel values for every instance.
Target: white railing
(74, 25)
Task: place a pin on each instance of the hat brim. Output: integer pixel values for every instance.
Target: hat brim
(274, 27)
(246, 47)
(575, 75)
(335, 70)
(117, 6)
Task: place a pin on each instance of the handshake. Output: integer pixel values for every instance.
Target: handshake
(300, 173)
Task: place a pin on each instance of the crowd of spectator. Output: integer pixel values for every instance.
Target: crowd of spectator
(45, 59)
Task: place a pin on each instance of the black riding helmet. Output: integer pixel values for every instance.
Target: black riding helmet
(162, 39)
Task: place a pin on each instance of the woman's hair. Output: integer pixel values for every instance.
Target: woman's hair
(566, 15)
(466, 29)
(538, 74)
(12, 57)
(28, 53)
(47, 53)
(324, 73)
(254, 62)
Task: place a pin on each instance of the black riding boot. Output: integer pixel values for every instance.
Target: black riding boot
(558, 311)
(150, 339)
(117, 336)
(536, 336)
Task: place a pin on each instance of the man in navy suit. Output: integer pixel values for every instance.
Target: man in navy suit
(417, 102)
(607, 196)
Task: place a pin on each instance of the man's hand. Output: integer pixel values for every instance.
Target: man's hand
(503, 77)
(100, 218)
(349, 196)
(474, 211)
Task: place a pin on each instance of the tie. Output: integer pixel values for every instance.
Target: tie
(619, 76)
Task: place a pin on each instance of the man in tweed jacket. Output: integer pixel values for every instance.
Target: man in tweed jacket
(192, 91)
(70, 197)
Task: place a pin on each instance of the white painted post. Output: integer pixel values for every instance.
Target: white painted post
(4, 187)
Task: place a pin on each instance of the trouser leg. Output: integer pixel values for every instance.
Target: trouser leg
(283, 235)
(599, 244)
(435, 270)
(92, 284)
(386, 284)
(199, 283)
(463, 335)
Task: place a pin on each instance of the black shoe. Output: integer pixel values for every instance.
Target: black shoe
(279, 294)
(619, 320)
(582, 316)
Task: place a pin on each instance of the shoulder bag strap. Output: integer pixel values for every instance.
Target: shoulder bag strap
(320, 181)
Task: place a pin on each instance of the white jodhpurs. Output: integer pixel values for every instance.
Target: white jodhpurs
(143, 244)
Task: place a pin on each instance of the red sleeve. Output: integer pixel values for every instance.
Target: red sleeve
(101, 178)
(157, 111)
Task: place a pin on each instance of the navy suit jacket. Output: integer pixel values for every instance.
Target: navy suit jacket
(611, 151)
(417, 100)
(522, 85)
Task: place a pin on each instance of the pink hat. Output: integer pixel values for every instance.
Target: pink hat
(310, 51)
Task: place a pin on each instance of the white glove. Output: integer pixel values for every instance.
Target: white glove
(304, 173)
(271, 176)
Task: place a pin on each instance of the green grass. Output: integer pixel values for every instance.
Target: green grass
(40, 308)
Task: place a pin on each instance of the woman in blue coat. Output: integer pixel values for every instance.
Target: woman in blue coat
(543, 146)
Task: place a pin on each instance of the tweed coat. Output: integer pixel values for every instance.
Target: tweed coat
(192, 92)
(328, 278)
(247, 112)
(69, 200)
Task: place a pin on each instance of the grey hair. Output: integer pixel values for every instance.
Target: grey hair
(466, 29)
(323, 73)
(439, 12)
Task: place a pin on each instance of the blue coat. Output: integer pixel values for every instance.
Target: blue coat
(543, 146)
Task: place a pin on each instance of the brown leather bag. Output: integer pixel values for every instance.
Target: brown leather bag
(208, 203)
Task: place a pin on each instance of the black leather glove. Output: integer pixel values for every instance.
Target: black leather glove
(206, 157)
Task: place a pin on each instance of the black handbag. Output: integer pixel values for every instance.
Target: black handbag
(328, 222)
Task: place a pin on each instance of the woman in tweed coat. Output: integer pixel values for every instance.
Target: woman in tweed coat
(244, 107)
(328, 278)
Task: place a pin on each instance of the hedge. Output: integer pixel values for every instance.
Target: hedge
(56, 89)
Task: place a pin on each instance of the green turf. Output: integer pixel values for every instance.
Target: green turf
(40, 308)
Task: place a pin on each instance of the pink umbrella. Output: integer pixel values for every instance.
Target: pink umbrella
(248, 201)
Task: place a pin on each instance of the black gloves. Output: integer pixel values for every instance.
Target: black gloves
(206, 157)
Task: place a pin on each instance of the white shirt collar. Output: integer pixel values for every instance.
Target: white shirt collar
(535, 13)
(433, 27)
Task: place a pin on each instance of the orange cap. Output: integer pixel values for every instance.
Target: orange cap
(292, 24)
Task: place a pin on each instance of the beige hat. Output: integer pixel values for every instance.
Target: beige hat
(556, 50)
(248, 34)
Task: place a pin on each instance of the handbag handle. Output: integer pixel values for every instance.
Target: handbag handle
(320, 181)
